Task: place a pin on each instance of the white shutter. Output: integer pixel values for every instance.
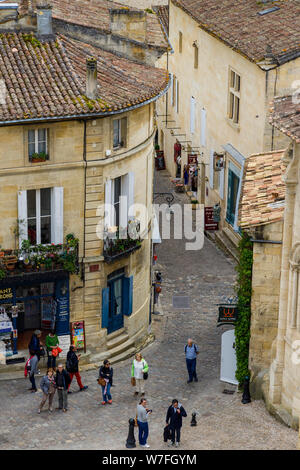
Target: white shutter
(171, 88)
(221, 183)
(108, 219)
(203, 127)
(57, 215)
(130, 194)
(22, 216)
(211, 169)
(176, 98)
(124, 203)
(192, 123)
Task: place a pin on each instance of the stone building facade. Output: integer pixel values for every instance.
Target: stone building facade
(225, 74)
(77, 129)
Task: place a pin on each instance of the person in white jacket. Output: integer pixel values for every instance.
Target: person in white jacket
(139, 371)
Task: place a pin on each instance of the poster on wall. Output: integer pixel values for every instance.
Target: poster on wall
(64, 344)
(78, 335)
(63, 307)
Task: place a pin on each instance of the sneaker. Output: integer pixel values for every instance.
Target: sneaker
(83, 388)
(69, 391)
(136, 394)
(39, 372)
(39, 411)
(50, 410)
(145, 445)
(189, 381)
(33, 390)
(176, 444)
(64, 410)
(143, 394)
(103, 403)
(170, 444)
(196, 379)
(110, 402)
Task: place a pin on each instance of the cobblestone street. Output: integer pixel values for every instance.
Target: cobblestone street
(204, 276)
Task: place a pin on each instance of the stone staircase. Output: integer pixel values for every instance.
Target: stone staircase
(224, 241)
(119, 347)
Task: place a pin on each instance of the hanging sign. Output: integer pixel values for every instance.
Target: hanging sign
(78, 334)
(192, 159)
(228, 314)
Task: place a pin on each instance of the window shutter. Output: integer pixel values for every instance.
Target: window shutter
(105, 307)
(171, 89)
(127, 295)
(131, 194)
(22, 216)
(108, 219)
(57, 215)
(211, 169)
(177, 96)
(229, 197)
(203, 127)
(192, 124)
(221, 183)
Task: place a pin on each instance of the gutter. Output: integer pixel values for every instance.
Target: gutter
(87, 115)
(274, 242)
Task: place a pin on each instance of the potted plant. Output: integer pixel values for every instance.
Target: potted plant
(194, 203)
(10, 262)
(39, 157)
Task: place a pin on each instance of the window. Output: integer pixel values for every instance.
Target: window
(119, 199)
(180, 41)
(234, 97)
(40, 214)
(119, 133)
(38, 143)
(196, 54)
(116, 200)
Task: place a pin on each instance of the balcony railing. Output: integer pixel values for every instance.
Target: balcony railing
(121, 242)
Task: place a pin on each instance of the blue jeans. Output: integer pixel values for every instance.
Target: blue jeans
(107, 395)
(51, 362)
(143, 432)
(32, 380)
(191, 367)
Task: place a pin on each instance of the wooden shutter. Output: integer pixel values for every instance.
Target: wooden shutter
(221, 183)
(57, 215)
(192, 123)
(203, 127)
(22, 216)
(105, 307)
(229, 197)
(127, 295)
(108, 218)
(211, 169)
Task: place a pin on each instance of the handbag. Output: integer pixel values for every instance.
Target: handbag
(56, 351)
(133, 381)
(101, 381)
(145, 375)
(135, 421)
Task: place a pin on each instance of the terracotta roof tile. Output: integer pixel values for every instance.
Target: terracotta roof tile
(285, 116)
(162, 12)
(48, 79)
(263, 191)
(237, 23)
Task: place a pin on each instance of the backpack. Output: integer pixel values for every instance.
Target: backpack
(194, 348)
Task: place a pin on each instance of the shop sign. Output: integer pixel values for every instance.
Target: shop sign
(228, 314)
(63, 307)
(209, 222)
(78, 335)
(6, 293)
(64, 344)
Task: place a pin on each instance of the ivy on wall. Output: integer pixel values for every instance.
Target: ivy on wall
(244, 292)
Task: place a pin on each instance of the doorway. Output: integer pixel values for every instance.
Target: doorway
(115, 312)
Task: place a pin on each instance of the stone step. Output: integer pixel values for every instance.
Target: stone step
(226, 245)
(115, 334)
(124, 355)
(113, 343)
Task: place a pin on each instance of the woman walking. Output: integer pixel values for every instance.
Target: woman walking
(139, 371)
(105, 378)
(51, 343)
(48, 387)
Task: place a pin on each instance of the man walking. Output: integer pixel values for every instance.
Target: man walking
(174, 417)
(62, 380)
(31, 370)
(191, 351)
(142, 420)
(72, 368)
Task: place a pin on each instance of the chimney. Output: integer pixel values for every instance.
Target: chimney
(91, 78)
(44, 20)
